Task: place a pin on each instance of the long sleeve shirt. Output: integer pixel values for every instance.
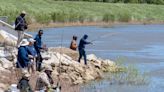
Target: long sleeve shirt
(20, 23)
(32, 51)
(23, 59)
(38, 43)
(82, 43)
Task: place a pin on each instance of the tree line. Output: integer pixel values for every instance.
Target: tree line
(123, 1)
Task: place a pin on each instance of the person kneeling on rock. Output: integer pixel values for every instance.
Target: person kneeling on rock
(44, 81)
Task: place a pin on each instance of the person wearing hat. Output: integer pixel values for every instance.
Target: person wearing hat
(23, 83)
(81, 48)
(73, 45)
(32, 54)
(38, 46)
(20, 26)
(23, 59)
(44, 81)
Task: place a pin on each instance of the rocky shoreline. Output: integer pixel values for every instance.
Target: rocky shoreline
(65, 65)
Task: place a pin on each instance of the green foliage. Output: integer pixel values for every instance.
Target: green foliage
(45, 11)
(131, 76)
(108, 17)
(123, 1)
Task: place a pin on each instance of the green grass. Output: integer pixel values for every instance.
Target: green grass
(129, 74)
(45, 11)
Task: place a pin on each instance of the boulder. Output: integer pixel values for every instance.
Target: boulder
(2, 87)
(45, 55)
(79, 80)
(52, 61)
(91, 57)
(108, 62)
(6, 63)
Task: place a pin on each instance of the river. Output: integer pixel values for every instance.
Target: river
(140, 45)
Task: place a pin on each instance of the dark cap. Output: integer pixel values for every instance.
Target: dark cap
(40, 31)
(85, 36)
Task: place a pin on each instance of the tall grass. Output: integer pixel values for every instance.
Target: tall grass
(129, 75)
(45, 11)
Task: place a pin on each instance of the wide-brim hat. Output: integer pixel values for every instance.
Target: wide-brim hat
(24, 42)
(31, 40)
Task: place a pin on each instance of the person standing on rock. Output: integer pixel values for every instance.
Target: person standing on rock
(81, 48)
(23, 84)
(38, 47)
(44, 81)
(73, 45)
(23, 59)
(20, 26)
(32, 54)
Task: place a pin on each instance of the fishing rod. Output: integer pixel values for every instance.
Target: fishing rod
(58, 86)
(103, 36)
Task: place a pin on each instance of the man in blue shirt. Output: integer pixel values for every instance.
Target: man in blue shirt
(38, 47)
(81, 48)
(32, 54)
(23, 59)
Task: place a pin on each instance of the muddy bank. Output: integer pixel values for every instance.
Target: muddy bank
(34, 26)
(65, 65)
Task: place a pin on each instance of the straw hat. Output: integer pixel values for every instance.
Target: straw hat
(24, 42)
(23, 12)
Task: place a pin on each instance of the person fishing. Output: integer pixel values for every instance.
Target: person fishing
(81, 48)
(38, 47)
(32, 55)
(22, 59)
(20, 26)
(73, 45)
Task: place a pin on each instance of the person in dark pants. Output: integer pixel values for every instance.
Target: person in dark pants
(23, 83)
(22, 58)
(38, 47)
(81, 48)
(20, 26)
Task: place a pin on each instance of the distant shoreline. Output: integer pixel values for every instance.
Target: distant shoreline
(35, 26)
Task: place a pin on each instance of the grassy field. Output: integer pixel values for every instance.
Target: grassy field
(45, 11)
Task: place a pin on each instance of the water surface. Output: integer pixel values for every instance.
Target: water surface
(141, 45)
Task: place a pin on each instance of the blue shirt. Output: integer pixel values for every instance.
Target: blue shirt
(38, 43)
(82, 43)
(23, 59)
(32, 50)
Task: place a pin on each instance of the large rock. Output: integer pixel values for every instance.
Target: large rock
(52, 61)
(7, 39)
(108, 62)
(91, 57)
(2, 87)
(6, 63)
